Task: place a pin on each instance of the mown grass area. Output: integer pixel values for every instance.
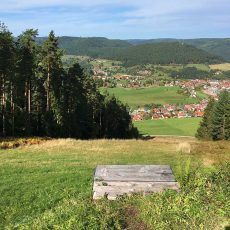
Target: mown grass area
(223, 67)
(173, 126)
(49, 185)
(157, 95)
(178, 67)
(199, 66)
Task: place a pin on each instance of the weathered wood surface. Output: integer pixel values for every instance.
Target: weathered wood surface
(115, 180)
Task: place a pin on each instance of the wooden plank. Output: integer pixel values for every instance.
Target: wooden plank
(114, 189)
(134, 173)
(115, 180)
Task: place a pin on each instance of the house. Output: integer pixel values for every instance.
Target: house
(199, 114)
(137, 117)
(182, 114)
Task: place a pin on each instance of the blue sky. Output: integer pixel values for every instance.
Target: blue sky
(122, 19)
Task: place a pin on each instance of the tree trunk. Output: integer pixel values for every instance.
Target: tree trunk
(12, 107)
(3, 107)
(48, 90)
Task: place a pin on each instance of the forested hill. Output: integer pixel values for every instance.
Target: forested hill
(164, 53)
(93, 46)
(216, 46)
(159, 51)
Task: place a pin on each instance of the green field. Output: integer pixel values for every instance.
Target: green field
(157, 95)
(222, 67)
(178, 67)
(173, 126)
(49, 186)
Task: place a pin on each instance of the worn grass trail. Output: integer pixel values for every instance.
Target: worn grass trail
(49, 185)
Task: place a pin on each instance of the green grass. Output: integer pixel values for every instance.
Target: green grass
(199, 66)
(157, 95)
(178, 67)
(222, 67)
(173, 126)
(49, 186)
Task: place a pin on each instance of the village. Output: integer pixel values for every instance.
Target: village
(116, 76)
(209, 87)
(170, 111)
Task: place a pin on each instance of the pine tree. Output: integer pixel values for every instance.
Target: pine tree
(27, 66)
(205, 129)
(37, 96)
(7, 61)
(221, 117)
(53, 70)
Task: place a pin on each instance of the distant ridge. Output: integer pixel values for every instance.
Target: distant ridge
(204, 50)
(216, 46)
(164, 53)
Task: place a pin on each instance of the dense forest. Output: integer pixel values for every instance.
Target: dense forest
(190, 73)
(38, 97)
(164, 53)
(109, 48)
(93, 47)
(216, 46)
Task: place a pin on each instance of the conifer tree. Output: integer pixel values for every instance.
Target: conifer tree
(38, 97)
(205, 129)
(221, 117)
(7, 61)
(53, 70)
(27, 67)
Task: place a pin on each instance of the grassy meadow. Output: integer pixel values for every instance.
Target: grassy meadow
(49, 185)
(222, 67)
(173, 126)
(157, 95)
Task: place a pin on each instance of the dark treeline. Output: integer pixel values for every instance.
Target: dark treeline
(194, 73)
(101, 47)
(190, 73)
(38, 97)
(164, 53)
(216, 121)
(168, 52)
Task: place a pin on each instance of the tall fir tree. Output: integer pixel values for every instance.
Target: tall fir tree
(221, 117)
(206, 126)
(27, 68)
(7, 71)
(53, 70)
(38, 97)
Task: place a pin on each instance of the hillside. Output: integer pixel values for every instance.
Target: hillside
(155, 51)
(93, 46)
(164, 53)
(216, 46)
(220, 47)
(49, 186)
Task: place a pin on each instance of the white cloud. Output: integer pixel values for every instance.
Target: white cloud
(117, 18)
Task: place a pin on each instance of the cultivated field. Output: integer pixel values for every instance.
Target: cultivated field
(157, 95)
(223, 67)
(49, 185)
(174, 126)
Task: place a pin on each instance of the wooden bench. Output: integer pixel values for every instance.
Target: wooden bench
(116, 180)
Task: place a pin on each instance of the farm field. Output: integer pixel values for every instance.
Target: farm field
(203, 67)
(223, 66)
(173, 126)
(155, 95)
(49, 185)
